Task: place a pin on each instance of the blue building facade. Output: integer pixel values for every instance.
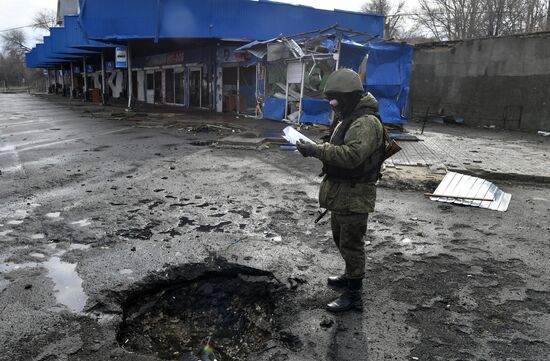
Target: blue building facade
(179, 52)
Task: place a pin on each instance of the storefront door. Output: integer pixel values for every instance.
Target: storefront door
(239, 89)
(195, 75)
(150, 81)
(179, 86)
(169, 86)
(158, 86)
(247, 89)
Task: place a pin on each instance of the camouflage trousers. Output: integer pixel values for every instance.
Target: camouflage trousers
(348, 231)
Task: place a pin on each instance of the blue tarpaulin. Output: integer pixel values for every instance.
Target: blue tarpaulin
(388, 71)
(274, 108)
(316, 111)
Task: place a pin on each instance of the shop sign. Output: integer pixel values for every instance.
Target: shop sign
(229, 56)
(109, 65)
(90, 68)
(173, 58)
(76, 69)
(121, 56)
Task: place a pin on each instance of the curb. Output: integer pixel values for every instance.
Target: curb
(499, 176)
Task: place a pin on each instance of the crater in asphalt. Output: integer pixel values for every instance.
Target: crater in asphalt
(232, 305)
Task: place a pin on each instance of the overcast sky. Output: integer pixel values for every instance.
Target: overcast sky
(15, 13)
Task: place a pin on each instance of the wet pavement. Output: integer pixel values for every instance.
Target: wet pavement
(494, 153)
(121, 237)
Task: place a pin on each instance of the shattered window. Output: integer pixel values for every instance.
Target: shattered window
(317, 72)
(276, 79)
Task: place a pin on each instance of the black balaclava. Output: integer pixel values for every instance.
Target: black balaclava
(347, 102)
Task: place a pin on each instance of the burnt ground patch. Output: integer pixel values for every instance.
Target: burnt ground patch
(172, 318)
(467, 309)
(144, 233)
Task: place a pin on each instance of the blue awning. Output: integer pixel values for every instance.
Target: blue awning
(58, 38)
(75, 36)
(125, 20)
(39, 58)
(50, 52)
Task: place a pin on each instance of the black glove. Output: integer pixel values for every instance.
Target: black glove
(326, 138)
(306, 149)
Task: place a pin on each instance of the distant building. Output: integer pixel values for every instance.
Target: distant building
(66, 7)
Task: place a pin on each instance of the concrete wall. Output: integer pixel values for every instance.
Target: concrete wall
(501, 81)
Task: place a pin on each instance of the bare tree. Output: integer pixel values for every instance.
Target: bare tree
(14, 42)
(393, 17)
(44, 19)
(451, 19)
(463, 19)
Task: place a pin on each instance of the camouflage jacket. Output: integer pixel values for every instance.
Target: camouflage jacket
(363, 138)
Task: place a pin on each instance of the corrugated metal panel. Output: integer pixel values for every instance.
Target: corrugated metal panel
(463, 189)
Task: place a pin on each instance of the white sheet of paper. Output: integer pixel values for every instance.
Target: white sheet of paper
(292, 136)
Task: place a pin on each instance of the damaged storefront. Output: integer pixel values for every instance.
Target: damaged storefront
(297, 67)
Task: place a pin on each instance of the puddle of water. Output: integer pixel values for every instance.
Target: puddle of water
(7, 148)
(9, 267)
(125, 271)
(15, 222)
(277, 239)
(38, 236)
(78, 246)
(21, 213)
(406, 241)
(53, 215)
(4, 284)
(68, 285)
(5, 233)
(82, 223)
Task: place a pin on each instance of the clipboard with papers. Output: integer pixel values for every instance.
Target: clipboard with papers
(292, 136)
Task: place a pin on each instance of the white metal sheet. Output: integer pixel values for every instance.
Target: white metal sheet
(294, 72)
(460, 188)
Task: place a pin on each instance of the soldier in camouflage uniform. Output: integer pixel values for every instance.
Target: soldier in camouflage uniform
(351, 163)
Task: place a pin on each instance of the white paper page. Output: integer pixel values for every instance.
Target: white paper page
(292, 136)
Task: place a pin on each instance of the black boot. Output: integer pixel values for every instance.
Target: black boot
(350, 299)
(337, 281)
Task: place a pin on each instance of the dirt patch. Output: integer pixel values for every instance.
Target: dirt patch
(467, 309)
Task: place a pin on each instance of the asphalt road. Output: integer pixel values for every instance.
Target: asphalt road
(99, 213)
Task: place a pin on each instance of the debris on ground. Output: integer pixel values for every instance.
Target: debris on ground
(470, 191)
(544, 134)
(326, 322)
(209, 128)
